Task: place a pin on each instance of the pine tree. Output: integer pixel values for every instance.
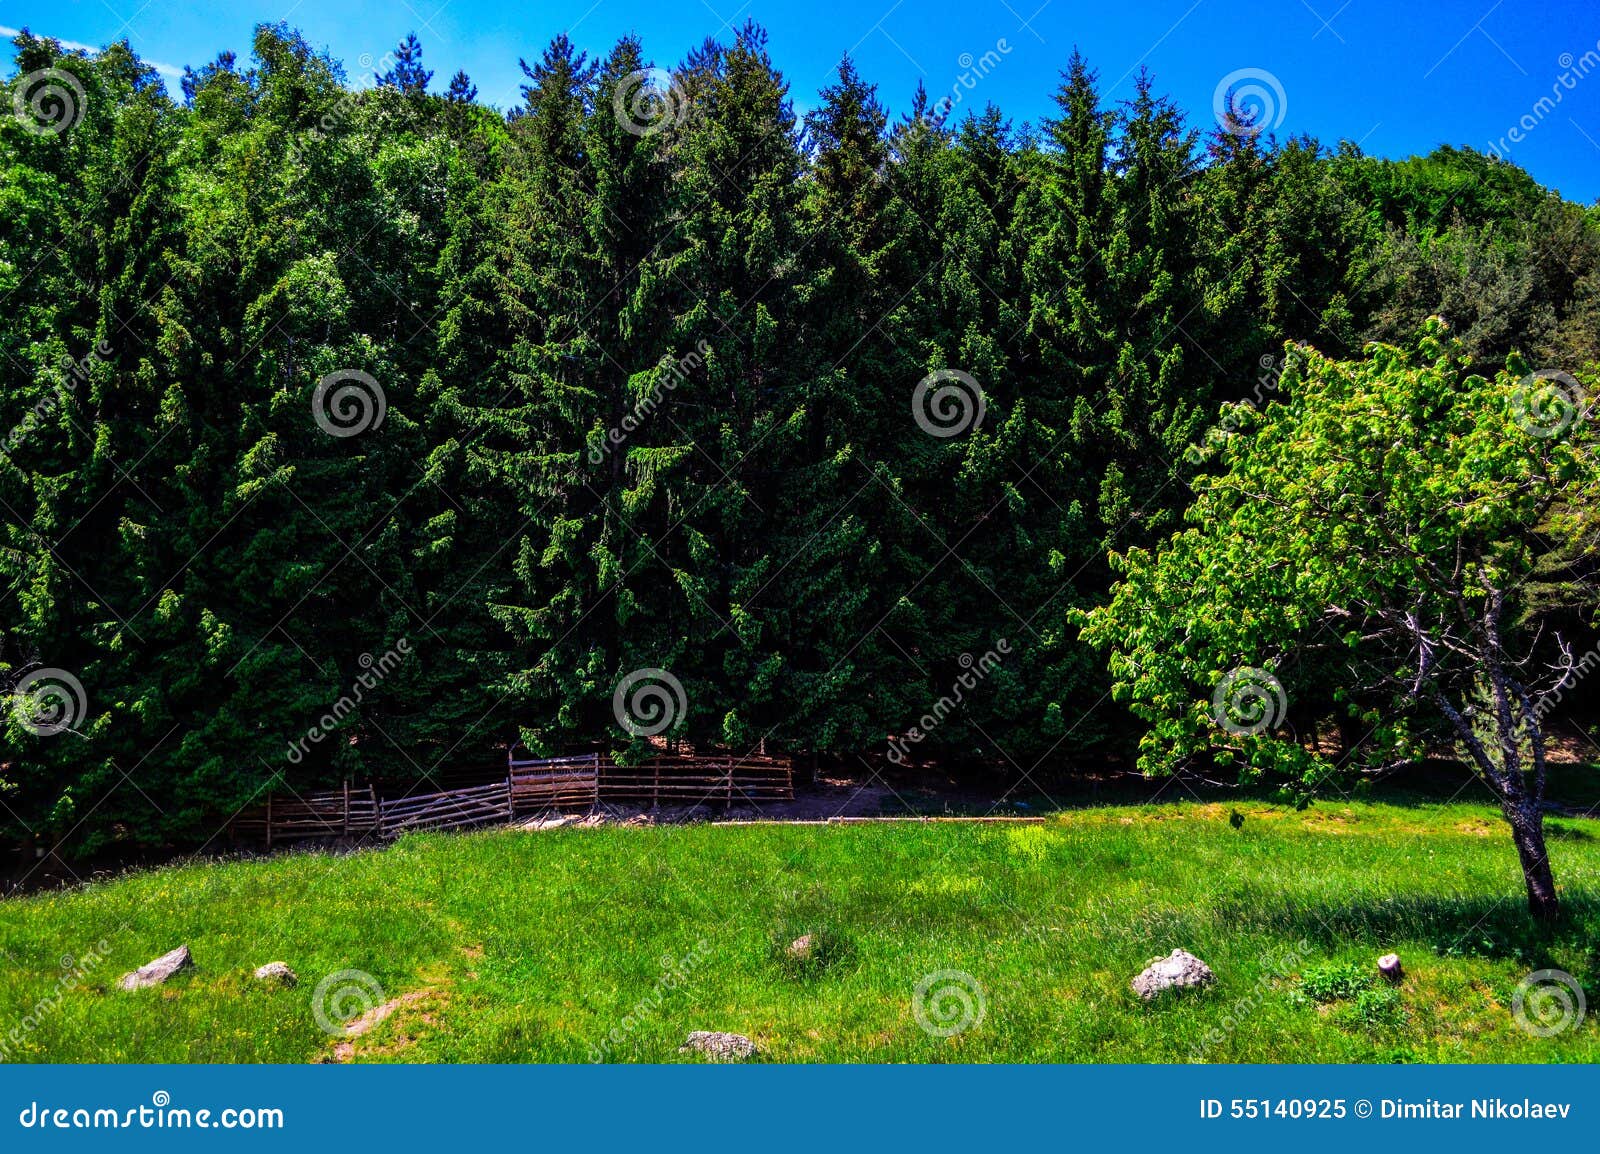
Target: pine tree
(461, 90)
(407, 74)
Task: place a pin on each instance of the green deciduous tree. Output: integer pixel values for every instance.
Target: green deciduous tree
(1391, 511)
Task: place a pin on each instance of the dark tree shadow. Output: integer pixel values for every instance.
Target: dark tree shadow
(1453, 927)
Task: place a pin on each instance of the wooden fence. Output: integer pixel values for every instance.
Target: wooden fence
(554, 782)
(531, 785)
(348, 812)
(696, 780)
(450, 809)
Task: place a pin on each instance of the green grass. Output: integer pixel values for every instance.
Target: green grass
(540, 947)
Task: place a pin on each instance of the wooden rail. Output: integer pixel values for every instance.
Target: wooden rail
(554, 782)
(346, 812)
(531, 785)
(693, 780)
(450, 809)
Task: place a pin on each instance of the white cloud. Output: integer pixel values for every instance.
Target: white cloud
(73, 45)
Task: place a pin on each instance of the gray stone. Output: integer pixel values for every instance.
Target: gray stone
(276, 974)
(1177, 971)
(158, 971)
(719, 1047)
(802, 948)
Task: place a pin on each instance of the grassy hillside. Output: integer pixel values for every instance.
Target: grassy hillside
(577, 944)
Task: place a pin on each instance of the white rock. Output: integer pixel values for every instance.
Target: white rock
(719, 1047)
(158, 971)
(1178, 970)
(277, 974)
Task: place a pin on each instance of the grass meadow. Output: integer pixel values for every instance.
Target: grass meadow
(611, 944)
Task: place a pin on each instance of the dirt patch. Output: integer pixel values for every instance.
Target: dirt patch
(432, 999)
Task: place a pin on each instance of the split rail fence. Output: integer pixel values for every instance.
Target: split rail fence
(531, 785)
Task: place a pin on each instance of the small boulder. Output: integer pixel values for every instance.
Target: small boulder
(158, 971)
(276, 974)
(1178, 970)
(1389, 966)
(802, 948)
(719, 1047)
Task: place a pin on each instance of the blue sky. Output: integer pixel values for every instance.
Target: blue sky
(1397, 79)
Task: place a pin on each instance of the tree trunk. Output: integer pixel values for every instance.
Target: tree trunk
(1527, 830)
